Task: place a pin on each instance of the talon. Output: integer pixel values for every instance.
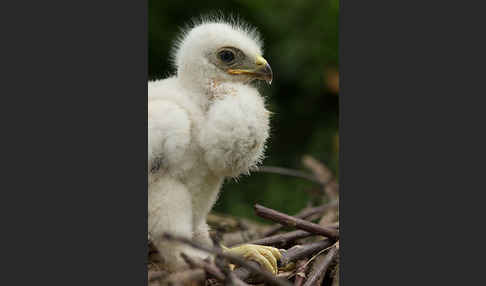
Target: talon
(269, 256)
(266, 256)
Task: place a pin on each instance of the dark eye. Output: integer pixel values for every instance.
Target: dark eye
(226, 56)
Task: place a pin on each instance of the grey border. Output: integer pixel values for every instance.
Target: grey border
(74, 204)
(410, 130)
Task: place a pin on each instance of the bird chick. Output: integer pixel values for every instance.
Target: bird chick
(206, 123)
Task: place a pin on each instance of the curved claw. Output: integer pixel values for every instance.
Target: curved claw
(266, 256)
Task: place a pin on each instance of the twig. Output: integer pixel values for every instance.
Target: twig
(200, 263)
(237, 281)
(321, 172)
(184, 277)
(333, 225)
(335, 280)
(304, 214)
(231, 279)
(289, 172)
(324, 175)
(301, 267)
(154, 275)
(245, 274)
(281, 240)
(285, 274)
(271, 279)
(295, 222)
(301, 251)
(332, 189)
(329, 218)
(319, 270)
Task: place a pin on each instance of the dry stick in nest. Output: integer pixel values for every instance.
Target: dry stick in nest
(301, 267)
(235, 281)
(154, 275)
(266, 276)
(304, 214)
(296, 174)
(319, 271)
(282, 239)
(335, 280)
(324, 175)
(295, 222)
(289, 172)
(200, 263)
(321, 172)
(231, 279)
(301, 251)
(246, 275)
(332, 225)
(185, 277)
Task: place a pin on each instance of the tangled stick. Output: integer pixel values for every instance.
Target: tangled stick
(300, 272)
(266, 276)
(304, 214)
(319, 270)
(301, 251)
(200, 263)
(295, 222)
(282, 239)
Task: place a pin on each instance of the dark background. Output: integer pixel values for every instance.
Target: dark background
(301, 45)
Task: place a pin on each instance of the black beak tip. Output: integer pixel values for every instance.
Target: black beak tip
(268, 74)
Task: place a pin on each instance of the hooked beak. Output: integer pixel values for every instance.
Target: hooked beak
(262, 70)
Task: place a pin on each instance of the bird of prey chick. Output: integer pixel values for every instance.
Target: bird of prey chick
(206, 123)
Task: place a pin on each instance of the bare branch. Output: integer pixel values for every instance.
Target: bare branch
(154, 275)
(304, 214)
(335, 280)
(200, 263)
(301, 251)
(295, 222)
(324, 175)
(321, 172)
(231, 278)
(319, 270)
(281, 240)
(289, 172)
(301, 267)
(246, 275)
(237, 281)
(185, 277)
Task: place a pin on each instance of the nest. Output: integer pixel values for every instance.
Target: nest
(308, 241)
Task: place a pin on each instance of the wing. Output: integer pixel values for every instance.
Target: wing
(168, 135)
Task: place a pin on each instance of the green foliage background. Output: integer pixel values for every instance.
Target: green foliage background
(301, 44)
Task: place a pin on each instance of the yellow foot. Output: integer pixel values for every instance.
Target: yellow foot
(266, 256)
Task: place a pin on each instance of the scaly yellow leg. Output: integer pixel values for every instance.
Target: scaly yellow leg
(266, 256)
